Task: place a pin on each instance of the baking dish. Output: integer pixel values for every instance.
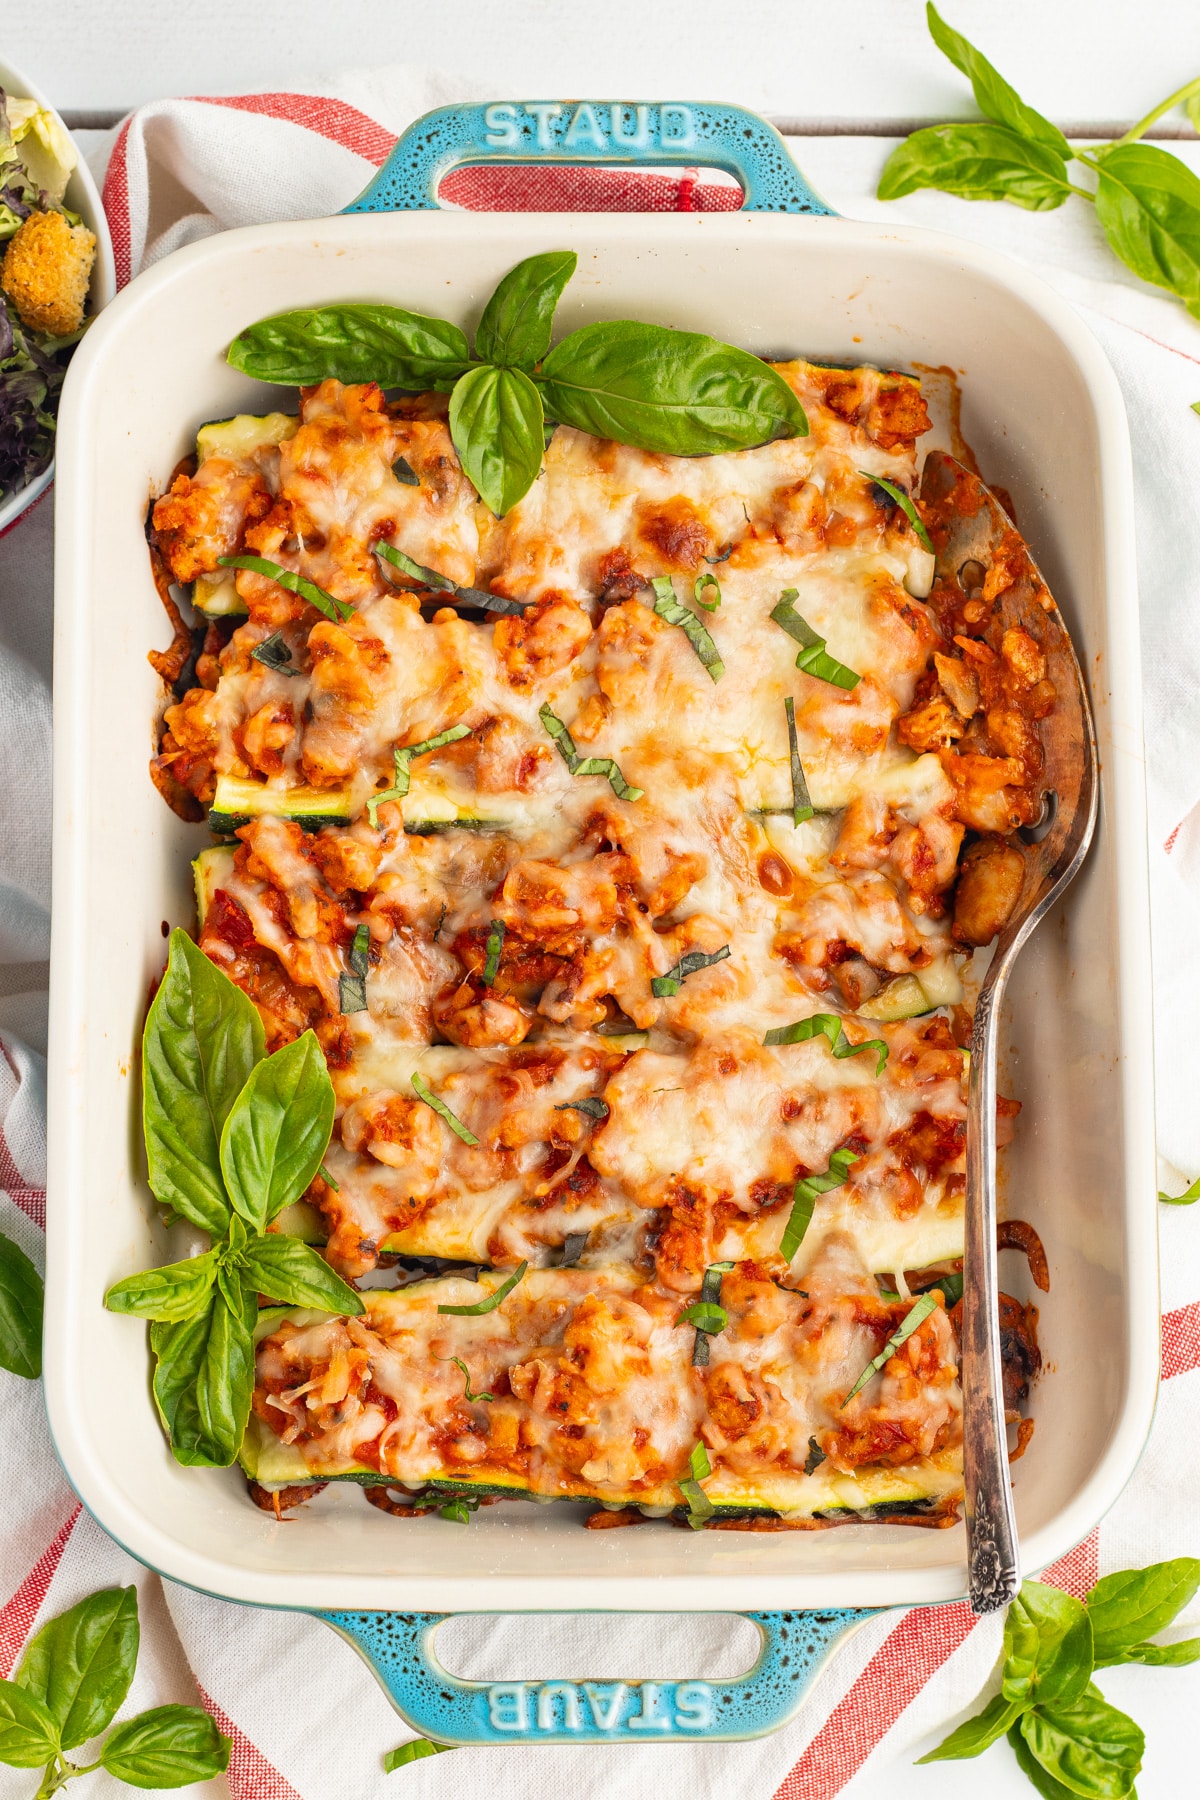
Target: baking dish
(1042, 410)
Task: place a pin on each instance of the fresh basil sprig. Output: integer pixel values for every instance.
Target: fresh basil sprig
(679, 393)
(1147, 201)
(22, 1297)
(1067, 1738)
(233, 1136)
(68, 1688)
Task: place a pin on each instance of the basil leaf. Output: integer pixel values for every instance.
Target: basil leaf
(167, 1747)
(587, 765)
(951, 1287)
(404, 472)
(352, 994)
(495, 944)
(402, 759)
(827, 1025)
(80, 1664)
(463, 1370)
(1133, 1605)
(277, 1131)
(696, 632)
(976, 162)
(1192, 1194)
(700, 584)
(210, 1413)
(273, 653)
(700, 1507)
(466, 596)
(994, 97)
(413, 1751)
(286, 1270)
(974, 1736)
(237, 1295)
(1047, 1646)
(1148, 203)
(573, 1247)
(813, 1461)
(676, 392)
(905, 502)
(813, 657)
(178, 1347)
(424, 1092)
(493, 1300)
(708, 1319)
(592, 1108)
(352, 343)
(1046, 1785)
(516, 324)
(804, 1198)
(337, 610)
(28, 1733)
(1165, 1656)
(496, 424)
(663, 986)
(802, 806)
(21, 1300)
(203, 1037)
(915, 1317)
(1089, 1747)
(176, 1291)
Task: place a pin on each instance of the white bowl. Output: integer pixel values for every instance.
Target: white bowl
(82, 197)
(1044, 413)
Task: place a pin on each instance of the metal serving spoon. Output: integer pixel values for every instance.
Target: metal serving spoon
(973, 536)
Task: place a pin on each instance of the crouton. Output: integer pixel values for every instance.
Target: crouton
(46, 271)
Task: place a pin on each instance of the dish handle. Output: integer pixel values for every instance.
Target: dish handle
(399, 1648)
(600, 133)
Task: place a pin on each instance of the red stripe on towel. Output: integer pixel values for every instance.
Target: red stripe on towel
(16, 1619)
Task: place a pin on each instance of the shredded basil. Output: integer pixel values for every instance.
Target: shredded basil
(430, 578)
(404, 472)
(951, 1286)
(698, 586)
(402, 766)
(573, 1247)
(327, 1178)
(593, 1107)
(273, 653)
(915, 1317)
(336, 610)
(727, 552)
(707, 1314)
(463, 1370)
(708, 1319)
(802, 807)
(424, 1092)
(700, 1507)
(493, 1300)
(815, 1457)
(804, 1198)
(813, 657)
(906, 504)
(587, 765)
(830, 1026)
(662, 986)
(495, 944)
(694, 630)
(352, 988)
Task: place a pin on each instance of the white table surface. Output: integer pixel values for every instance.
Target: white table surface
(863, 69)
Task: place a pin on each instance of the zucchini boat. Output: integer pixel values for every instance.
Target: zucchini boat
(238, 440)
(427, 808)
(581, 1384)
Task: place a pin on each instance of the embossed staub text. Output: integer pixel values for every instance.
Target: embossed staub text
(636, 1708)
(596, 127)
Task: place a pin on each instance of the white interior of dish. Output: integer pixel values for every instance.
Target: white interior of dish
(1043, 413)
